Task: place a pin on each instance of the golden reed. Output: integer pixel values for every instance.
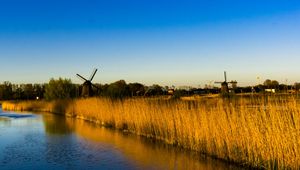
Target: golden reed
(258, 132)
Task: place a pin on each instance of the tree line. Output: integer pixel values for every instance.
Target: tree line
(64, 88)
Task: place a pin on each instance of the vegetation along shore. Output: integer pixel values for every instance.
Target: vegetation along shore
(261, 131)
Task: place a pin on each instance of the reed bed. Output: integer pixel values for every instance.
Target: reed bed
(260, 132)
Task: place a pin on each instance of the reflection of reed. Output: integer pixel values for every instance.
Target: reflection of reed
(5, 120)
(261, 132)
(148, 155)
(56, 125)
(62, 151)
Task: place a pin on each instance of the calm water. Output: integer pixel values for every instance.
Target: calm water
(45, 141)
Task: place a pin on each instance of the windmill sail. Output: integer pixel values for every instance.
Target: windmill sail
(80, 77)
(93, 74)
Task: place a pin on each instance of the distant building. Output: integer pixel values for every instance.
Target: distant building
(187, 88)
(171, 91)
(270, 90)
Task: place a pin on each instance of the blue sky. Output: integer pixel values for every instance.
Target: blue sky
(150, 41)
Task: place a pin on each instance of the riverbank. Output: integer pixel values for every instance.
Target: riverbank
(255, 132)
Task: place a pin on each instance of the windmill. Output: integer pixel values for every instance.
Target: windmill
(224, 84)
(87, 86)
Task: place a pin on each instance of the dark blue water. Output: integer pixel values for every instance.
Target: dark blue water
(45, 141)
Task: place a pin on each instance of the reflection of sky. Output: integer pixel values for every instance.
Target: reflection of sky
(24, 144)
(13, 130)
(169, 42)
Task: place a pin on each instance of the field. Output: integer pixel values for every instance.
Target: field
(257, 131)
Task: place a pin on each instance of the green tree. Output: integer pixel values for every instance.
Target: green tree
(268, 83)
(17, 92)
(297, 86)
(28, 91)
(118, 89)
(39, 90)
(136, 89)
(60, 89)
(153, 90)
(271, 84)
(6, 92)
(179, 93)
(274, 84)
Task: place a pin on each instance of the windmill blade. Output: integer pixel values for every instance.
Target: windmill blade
(218, 82)
(95, 86)
(82, 78)
(93, 74)
(225, 76)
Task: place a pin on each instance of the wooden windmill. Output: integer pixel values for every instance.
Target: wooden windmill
(87, 86)
(224, 84)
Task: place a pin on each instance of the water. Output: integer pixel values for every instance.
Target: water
(46, 141)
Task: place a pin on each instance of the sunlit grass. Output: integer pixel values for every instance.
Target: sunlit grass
(260, 132)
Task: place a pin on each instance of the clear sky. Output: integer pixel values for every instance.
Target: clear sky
(150, 41)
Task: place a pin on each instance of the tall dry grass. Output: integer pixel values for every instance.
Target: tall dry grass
(257, 132)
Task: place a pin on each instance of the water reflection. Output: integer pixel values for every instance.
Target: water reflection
(143, 152)
(65, 150)
(56, 125)
(4, 121)
(52, 142)
(59, 146)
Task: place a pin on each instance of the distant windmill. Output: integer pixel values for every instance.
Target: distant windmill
(224, 84)
(87, 86)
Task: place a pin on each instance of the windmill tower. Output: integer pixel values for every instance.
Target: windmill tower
(224, 84)
(87, 86)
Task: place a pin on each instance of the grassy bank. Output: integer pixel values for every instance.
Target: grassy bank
(258, 132)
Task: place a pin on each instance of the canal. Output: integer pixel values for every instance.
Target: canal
(47, 141)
